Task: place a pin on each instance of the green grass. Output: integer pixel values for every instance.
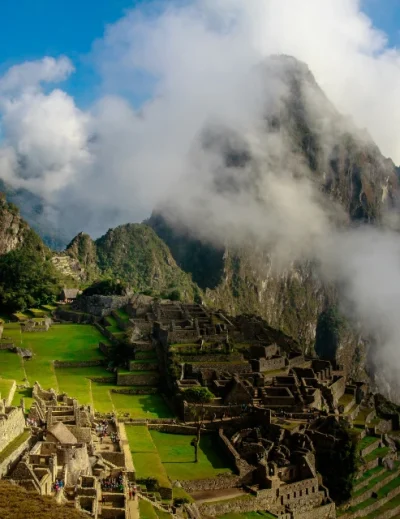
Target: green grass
(368, 473)
(366, 441)
(26, 394)
(112, 325)
(177, 456)
(377, 453)
(19, 440)
(67, 342)
(141, 406)
(145, 456)
(346, 399)
(179, 492)
(373, 481)
(393, 503)
(11, 366)
(146, 510)
(5, 387)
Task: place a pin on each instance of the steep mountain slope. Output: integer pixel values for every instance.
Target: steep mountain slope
(133, 253)
(13, 229)
(345, 166)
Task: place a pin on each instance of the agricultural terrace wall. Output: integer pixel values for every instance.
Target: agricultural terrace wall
(327, 511)
(209, 357)
(228, 367)
(143, 346)
(100, 306)
(338, 388)
(173, 429)
(242, 467)
(14, 457)
(6, 346)
(122, 323)
(374, 506)
(210, 411)
(146, 390)
(145, 366)
(107, 334)
(370, 448)
(75, 317)
(217, 483)
(78, 363)
(12, 424)
(131, 379)
(362, 497)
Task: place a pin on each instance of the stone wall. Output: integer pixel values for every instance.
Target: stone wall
(228, 367)
(268, 364)
(174, 429)
(78, 363)
(370, 448)
(217, 483)
(13, 458)
(7, 346)
(116, 458)
(242, 467)
(100, 306)
(145, 390)
(338, 388)
(362, 497)
(146, 366)
(131, 379)
(374, 506)
(74, 317)
(327, 511)
(12, 424)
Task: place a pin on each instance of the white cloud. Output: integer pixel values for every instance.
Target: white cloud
(112, 163)
(31, 73)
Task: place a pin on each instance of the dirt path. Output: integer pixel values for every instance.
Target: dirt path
(207, 496)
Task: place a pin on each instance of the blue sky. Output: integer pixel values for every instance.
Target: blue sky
(31, 29)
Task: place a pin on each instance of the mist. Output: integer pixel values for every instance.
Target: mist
(210, 86)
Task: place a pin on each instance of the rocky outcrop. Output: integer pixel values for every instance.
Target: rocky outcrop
(12, 227)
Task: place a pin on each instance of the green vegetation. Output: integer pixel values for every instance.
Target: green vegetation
(27, 276)
(5, 387)
(377, 453)
(373, 481)
(136, 255)
(19, 440)
(145, 455)
(176, 454)
(366, 441)
(339, 465)
(198, 395)
(329, 327)
(106, 287)
(147, 510)
(141, 406)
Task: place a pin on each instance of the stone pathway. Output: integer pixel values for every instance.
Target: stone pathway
(125, 445)
(132, 509)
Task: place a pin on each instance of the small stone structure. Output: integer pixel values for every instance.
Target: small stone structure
(38, 325)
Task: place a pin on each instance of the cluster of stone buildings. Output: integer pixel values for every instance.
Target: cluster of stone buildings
(62, 455)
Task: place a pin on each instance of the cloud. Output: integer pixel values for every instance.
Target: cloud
(31, 73)
(210, 102)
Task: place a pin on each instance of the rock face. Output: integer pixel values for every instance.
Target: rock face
(12, 227)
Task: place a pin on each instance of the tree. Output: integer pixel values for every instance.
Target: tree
(198, 396)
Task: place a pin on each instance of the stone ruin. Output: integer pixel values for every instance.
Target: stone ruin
(36, 325)
(67, 448)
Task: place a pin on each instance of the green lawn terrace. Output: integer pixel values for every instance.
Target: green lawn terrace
(34, 313)
(57, 354)
(169, 457)
(377, 482)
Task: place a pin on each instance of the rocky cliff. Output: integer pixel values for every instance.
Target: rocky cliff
(13, 228)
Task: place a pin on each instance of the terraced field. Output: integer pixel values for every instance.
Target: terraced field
(71, 343)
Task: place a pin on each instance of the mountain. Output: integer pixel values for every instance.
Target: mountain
(133, 253)
(347, 170)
